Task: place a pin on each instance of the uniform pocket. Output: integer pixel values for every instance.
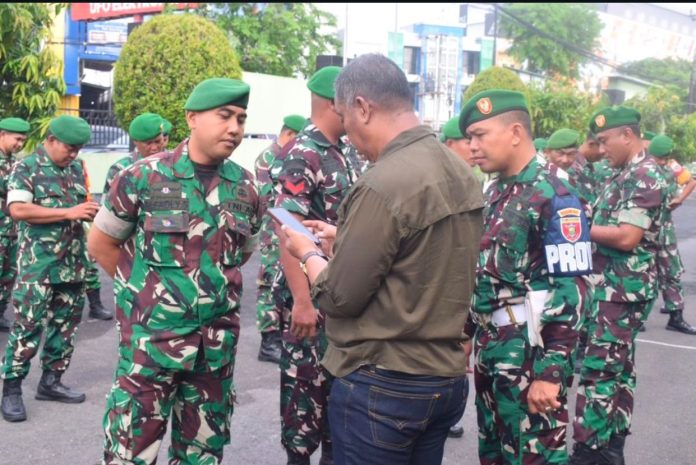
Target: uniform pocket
(165, 237)
(397, 419)
(118, 424)
(237, 232)
(48, 195)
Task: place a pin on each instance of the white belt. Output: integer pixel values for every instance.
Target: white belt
(509, 315)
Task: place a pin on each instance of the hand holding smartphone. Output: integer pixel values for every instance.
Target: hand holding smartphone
(284, 217)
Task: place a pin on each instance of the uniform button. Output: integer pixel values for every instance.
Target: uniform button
(556, 374)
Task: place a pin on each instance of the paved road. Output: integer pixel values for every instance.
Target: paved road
(60, 434)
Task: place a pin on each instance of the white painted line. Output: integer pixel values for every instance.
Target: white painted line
(676, 346)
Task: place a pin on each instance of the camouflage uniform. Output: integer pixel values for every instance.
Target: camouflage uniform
(52, 260)
(8, 236)
(314, 177)
(117, 167)
(582, 174)
(92, 282)
(669, 263)
(623, 297)
(602, 173)
(268, 314)
(178, 286)
(520, 214)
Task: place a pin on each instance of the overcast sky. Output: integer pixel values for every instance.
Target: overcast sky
(381, 17)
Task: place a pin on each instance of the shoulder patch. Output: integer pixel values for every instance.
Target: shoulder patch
(567, 239)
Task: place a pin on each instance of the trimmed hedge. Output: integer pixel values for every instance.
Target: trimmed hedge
(162, 62)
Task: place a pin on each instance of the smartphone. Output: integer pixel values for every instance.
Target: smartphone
(283, 216)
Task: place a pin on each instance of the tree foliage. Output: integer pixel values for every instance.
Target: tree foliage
(663, 111)
(31, 80)
(559, 104)
(496, 77)
(577, 24)
(161, 63)
(673, 71)
(281, 39)
(659, 106)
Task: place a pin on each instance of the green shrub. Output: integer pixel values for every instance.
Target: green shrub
(496, 78)
(162, 62)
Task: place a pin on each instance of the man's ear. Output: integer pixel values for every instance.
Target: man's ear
(191, 119)
(364, 109)
(518, 132)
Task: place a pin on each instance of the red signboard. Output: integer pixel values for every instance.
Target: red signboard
(95, 11)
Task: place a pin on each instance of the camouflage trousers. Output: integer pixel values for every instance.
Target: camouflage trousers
(141, 401)
(268, 312)
(669, 271)
(58, 307)
(608, 379)
(304, 385)
(508, 433)
(8, 268)
(91, 275)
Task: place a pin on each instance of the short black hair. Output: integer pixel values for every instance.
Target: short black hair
(518, 116)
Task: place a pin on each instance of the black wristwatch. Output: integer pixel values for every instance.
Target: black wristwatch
(305, 257)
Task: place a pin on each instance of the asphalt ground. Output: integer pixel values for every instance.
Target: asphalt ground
(664, 424)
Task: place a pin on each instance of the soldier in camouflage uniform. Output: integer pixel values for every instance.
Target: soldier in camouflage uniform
(535, 243)
(48, 195)
(174, 230)
(669, 262)
(315, 175)
(146, 132)
(268, 314)
(626, 230)
(13, 134)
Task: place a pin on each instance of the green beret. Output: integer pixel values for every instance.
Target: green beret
(70, 130)
(562, 139)
(490, 103)
(613, 117)
(295, 122)
(322, 82)
(661, 146)
(167, 127)
(540, 143)
(451, 130)
(16, 125)
(216, 92)
(146, 127)
(648, 135)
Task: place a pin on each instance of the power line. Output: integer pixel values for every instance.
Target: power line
(580, 51)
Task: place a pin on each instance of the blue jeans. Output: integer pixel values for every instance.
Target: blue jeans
(385, 417)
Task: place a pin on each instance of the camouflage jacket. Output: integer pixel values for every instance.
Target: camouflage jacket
(264, 184)
(117, 167)
(521, 215)
(7, 225)
(636, 195)
(178, 282)
(52, 252)
(314, 175)
(582, 174)
(602, 174)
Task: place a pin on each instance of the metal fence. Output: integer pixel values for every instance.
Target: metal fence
(105, 130)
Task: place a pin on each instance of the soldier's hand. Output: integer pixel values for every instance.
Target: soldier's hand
(543, 397)
(304, 320)
(674, 204)
(468, 348)
(325, 232)
(85, 211)
(296, 243)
